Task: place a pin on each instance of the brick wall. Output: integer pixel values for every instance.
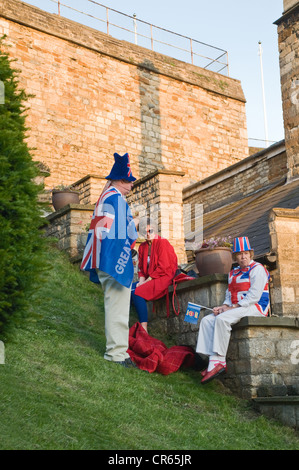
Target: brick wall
(252, 174)
(95, 95)
(159, 197)
(90, 187)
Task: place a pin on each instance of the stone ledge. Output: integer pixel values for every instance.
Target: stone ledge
(199, 282)
(280, 322)
(287, 14)
(86, 177)
(155, 173)
(69, 207)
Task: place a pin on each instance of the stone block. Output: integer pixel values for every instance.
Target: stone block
(261, 349)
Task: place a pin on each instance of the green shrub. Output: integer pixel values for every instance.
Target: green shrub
(21, 245)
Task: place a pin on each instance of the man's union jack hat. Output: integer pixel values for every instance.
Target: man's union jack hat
(241, 244)
(121, 169)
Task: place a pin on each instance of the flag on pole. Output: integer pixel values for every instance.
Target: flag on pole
(192, 313)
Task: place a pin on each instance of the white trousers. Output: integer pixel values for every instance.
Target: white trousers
(117, 310)
(215, 330)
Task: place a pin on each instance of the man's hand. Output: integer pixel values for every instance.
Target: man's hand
(220, 309)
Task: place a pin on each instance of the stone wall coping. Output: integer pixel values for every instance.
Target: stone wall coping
(287, 14)
(285, 212)
(68, 208)
(279, 322)
(199, 282)
(139, 181)
(81, 180)
(156, 173)
(272, 321)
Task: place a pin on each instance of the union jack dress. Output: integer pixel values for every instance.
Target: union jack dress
(112, 235)
(249, 286)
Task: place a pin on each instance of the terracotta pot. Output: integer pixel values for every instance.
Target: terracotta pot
(61, 198)
(219, 260)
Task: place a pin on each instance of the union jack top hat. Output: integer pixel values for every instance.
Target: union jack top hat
(121, 169)
(241, 244)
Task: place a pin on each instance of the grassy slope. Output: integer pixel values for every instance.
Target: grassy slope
(57, 391)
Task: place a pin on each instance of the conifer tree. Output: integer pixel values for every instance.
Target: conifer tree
(21, 244)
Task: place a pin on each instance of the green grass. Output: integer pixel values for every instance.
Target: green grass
(57, 391)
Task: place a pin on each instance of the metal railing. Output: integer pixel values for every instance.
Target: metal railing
(145, 34)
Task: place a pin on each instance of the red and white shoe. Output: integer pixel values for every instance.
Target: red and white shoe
(217, 370)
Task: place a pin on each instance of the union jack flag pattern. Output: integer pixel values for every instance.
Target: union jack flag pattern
(241, 244)
(129, 168)
(240, 281)
(111, 236)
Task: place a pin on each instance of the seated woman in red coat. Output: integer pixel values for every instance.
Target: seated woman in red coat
(157, 265)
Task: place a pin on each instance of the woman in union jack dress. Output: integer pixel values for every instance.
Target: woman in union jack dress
(247, 295)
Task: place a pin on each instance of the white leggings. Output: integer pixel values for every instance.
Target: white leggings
(215, 330)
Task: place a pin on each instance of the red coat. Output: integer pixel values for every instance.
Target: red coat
(162, 268)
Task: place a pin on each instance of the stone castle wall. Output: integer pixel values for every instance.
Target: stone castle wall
(288, 44)
(94, 95)
(240, 180)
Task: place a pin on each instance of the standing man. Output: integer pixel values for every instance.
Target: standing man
(247, 295)
(107, 256)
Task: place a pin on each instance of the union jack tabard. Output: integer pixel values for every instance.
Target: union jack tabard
(111, 236)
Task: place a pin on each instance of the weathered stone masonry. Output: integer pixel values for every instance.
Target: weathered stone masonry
(181, 124)
(288, 43)
(95, 95)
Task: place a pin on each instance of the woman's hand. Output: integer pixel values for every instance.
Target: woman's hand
(142, 280)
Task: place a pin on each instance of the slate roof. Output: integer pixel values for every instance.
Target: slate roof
(250, 215)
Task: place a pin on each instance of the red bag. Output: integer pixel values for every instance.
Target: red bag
(182, 277)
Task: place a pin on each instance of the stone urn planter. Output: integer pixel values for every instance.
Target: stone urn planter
(213, 261)
(62, 197)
